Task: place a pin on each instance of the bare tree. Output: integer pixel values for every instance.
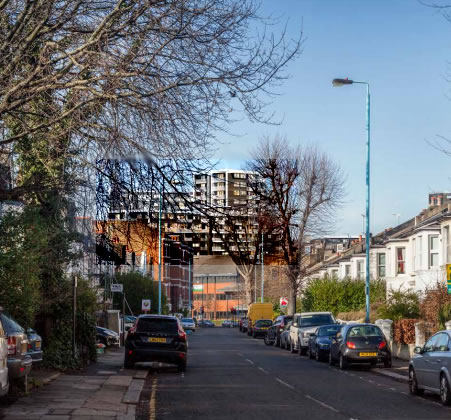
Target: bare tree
(121, 77)
(304, 188)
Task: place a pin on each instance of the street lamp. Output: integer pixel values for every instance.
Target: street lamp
(339, 83)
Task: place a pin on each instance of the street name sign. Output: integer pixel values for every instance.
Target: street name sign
(146, 305)
(448, 277)
(117, 288)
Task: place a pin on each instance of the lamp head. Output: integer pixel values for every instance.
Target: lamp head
(341, 82)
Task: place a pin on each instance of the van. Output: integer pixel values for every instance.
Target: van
(258, 311)
(4, 382)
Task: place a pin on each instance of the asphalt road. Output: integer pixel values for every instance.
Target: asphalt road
(233, 376)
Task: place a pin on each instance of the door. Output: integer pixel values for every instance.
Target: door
(436, 360)
(423, 362)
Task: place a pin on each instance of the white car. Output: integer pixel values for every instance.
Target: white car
(4, 383)
(188, 324)
(303, 325)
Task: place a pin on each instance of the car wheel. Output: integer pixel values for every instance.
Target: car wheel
(309, 353)
(343, 362)
(254, 335)
(413, 384)
(292, 349)
(387, 363)
(302, 351)
(317, 358)
(266, 340)
(445, 392)
(128, 364)
(277, 341)
(331, 360)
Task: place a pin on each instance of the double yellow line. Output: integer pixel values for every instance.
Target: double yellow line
(153, 400)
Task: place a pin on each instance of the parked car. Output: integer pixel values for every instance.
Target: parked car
(276, 329)
(108, 337)
(4, 382)
(129, 321)
(206, 323)
(359, 344)
(19, 362)
(285, 336)
(260, 328)
(227, 324)
(430, 367)
(34, 349)
(244, 325)
(303, 325)
(258, 311)
(320, 341)
(188, 324)
(156, 338)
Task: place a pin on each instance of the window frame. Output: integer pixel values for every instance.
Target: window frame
(379, 265)
(400, 261)
(432, 251)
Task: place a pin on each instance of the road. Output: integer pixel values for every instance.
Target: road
(233, 376)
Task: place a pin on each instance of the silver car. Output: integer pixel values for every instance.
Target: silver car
(430, 367)
(188, 324)
(4, 382)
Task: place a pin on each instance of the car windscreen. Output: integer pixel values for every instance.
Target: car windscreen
(317, 319)
(157, 325)
(365, 331)
(263, 323)
(329, 330)
(188, 320)
(10, 325)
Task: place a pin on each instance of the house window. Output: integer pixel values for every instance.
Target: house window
(381, 265)
(418, 253)
(360, 269)
(433, 251)
(446, 245)
(400, 260)
(348, 270)
(414, 254)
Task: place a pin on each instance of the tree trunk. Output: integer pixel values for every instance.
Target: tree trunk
(248, 289)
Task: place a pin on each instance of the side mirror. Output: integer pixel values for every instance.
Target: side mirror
(418, 350)
(313, 335)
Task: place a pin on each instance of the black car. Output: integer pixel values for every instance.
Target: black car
(276, 329)
(206, 323)
(108, 337)
(320, 341)
(359, 344)
(156, 338)
(261, 327)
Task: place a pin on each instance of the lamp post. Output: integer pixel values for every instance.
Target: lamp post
(343, 82)
(263, 270)
(160, 205)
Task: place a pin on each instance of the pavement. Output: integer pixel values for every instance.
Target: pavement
(103, 391)
(399, 371)
(232, 376)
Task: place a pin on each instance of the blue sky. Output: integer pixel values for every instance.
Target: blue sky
(403, 49)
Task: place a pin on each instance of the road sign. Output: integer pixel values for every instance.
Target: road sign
(146, 305)
(117, 288)
(448, 277)
(283, 302)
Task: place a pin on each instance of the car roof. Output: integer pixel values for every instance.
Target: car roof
(155, 316)
(313, 313)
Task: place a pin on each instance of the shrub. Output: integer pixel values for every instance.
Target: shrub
(400, 304)
(404, 331)
(331, 294)
(435, 307)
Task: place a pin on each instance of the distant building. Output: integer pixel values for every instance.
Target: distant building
(439, 199)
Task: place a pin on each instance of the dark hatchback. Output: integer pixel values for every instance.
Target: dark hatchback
(360, 344)
(320, 341)
(261, 327)
(276, 329)
(156, 338)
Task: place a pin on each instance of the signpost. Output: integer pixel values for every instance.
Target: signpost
(283, 302)
(117, 288)
(146, 305)
(448, 277)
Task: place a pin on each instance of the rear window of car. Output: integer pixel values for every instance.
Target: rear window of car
(326, 331)
(318, 319)
(263, 323)
(10, 325)
(157, 325)
(365, 331)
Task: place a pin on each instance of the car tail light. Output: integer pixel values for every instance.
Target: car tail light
(182, 334)
(131, 331)
(29, 346)
(12, 345)
(382, 344)
(130, 352)
(350, 345)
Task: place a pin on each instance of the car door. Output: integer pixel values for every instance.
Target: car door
(335, 345)
(423, 362)
(435, 361)
(294, 330)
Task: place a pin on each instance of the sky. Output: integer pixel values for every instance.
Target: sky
(403, 49)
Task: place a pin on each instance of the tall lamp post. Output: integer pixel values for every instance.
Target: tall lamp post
(343, 82)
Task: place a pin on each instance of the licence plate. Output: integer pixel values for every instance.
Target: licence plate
(37, 345)
(157, 340)
(367, 354)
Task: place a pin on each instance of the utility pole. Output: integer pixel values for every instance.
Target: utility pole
(263, 269)
(160, 205)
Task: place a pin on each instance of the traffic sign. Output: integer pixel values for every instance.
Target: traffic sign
(283, 302)
(448, 277)
(146, 305)
(117, 288)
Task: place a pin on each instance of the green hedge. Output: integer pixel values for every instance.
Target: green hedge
(331, 294)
